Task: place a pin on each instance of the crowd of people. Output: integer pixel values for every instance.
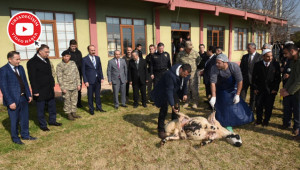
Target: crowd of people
(159, 79)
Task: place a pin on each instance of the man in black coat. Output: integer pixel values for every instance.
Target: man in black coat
(76, 56)
(211, 61)
(171, 87)
(148, 61)
(265, 80)
(42, 84)
(137, 77)
(139, 48)
(247, 64)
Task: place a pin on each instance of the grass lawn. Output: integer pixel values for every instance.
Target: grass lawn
(127, 139)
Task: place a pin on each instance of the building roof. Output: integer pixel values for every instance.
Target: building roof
(217, 9)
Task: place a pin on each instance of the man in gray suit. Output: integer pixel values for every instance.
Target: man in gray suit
(117, 77)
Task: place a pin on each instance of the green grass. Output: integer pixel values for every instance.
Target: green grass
(127, 139)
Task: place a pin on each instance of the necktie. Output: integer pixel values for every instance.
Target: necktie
(118, 63)
(266, 64)
(16, 71)
(94, 61)
(137, 65)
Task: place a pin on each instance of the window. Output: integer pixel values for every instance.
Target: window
(175, 26)
(260, 39)
(125, 32)
(240, 38)
(57, 30)
(215, 36)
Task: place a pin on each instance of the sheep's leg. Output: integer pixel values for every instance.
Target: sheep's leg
(206, 142)
(175, 136)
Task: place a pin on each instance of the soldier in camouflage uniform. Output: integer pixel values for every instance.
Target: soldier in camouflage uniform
(69, 82)
(192, 57)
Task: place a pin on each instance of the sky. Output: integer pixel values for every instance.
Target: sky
(297, 12)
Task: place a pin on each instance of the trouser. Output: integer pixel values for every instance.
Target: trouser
(252, 95)
(40, 105)
(163, 113)
(70, 100)
(79, 92)
(19, 116)
(149, 87)
(127, 89)
(157, 76)
(264, 101)
(119, 87)
(138, 86)
(291, 105)
(94, 89)
(193, 94)
(207, 89)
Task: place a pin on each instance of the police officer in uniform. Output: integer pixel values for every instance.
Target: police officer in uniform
(160, 63)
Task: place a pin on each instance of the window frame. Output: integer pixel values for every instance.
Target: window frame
(121, 33)
(218, 41)
(181, 30)
(242, 41)
(55, 38)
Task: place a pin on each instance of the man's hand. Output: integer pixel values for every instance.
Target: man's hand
(87, 84)
(102, 80)
(212, 101)
(109, 83)
(37, 94)
(256, 92)
(78, 88)
(284, 93)
(174, 110)
(13, 106)
(30, 99)
(236, 99)
(130, 82)
(64, 91)
(152, 76)
(146, 81)
(286, 76)
(184, 98)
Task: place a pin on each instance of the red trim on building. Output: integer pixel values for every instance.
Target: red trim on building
(93, 24)
(157, 26)
(217, 9)
(201, 27)
(230, 38)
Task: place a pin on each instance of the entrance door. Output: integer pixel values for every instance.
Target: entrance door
(127, 39)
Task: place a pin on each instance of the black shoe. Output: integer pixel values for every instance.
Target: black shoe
(145, 105)
(257, 123)
(18, 142)
(101, 110)
(91, 112)
(45, 129)
(29, 138)
(79, 105)
(116, 107)
(284, 127)
(135, 106)
(124, 105)
(55, 124)
(162, 135)
(265, 124)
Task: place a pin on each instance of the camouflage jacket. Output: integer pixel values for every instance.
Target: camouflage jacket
(67, 75)
(193, 59)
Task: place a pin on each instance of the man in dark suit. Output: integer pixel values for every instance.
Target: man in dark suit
(16, 96)
(117, 77)
(139, 49)
(76, 56)
(211, 61)
(171, 87)
(42, 84)
(137, 77)
(247, 64)
(265, 80)
(92, 78)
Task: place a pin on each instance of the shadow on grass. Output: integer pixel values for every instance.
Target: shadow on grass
(141, 121)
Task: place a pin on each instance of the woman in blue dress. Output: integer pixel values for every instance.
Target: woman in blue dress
(226, 85)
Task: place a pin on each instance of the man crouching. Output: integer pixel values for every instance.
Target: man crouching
(171, 87)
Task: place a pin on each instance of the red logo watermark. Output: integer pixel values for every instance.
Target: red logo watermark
(24, 28)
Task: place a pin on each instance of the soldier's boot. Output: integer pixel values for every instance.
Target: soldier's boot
(186, 105)
(70, 117)
(75, 115)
